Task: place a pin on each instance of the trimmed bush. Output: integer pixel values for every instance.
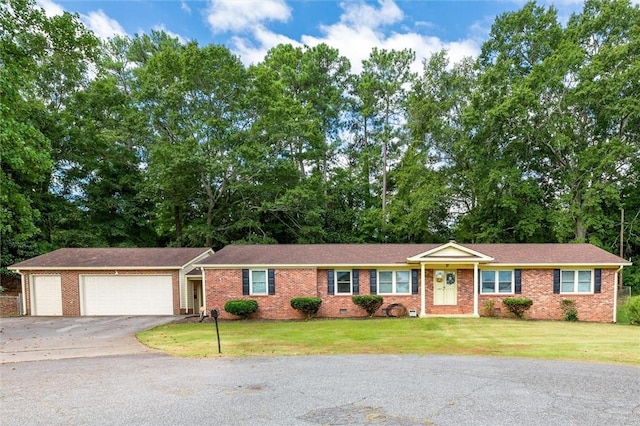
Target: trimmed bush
(241, 307)
(632, 309)
(307, 305)
(569, 310)
(517, 305)
(370, 303)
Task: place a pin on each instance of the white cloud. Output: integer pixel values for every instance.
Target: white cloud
(185, 7)
(365, 15)
(241, 15)
(361, 27)
(161, 27)
(102, 26)
(50, 8)
(254, 52)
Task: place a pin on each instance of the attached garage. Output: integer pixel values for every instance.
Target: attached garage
(126, 295)
(113, 281)
(46, 291)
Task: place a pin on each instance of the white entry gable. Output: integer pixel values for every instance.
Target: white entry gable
(450, 252)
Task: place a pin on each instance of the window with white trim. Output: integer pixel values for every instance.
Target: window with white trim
(576, 281)
(343, 282)
(258, 281)
(500, 281)
(394, 282)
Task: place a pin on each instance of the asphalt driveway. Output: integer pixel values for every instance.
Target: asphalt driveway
(41, 338)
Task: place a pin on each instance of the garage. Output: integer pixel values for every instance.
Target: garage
(46, 291)
(126, 295)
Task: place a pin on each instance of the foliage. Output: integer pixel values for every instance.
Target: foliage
(569, 310)
(146, 141)
(307, 305)
(517, 305)
(369, 302)
(632, 309)
(488, 308)
(241, 307)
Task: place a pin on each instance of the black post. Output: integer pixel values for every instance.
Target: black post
(214, 314)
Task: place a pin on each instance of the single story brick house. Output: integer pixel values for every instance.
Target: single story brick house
(112, 281)
(427, 279)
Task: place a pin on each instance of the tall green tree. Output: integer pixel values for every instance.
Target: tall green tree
(43, 61)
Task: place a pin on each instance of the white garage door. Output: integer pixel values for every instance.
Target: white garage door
(46, 295)
(127, 295)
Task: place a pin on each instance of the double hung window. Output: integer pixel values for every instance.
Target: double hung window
(394, 282)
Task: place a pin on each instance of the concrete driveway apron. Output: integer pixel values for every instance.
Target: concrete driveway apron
(42, 338)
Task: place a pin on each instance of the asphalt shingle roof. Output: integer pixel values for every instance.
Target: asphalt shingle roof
(69, 258)
(388, 254)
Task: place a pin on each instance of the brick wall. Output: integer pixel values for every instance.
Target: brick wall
(70, 287)
(222, 285)
(537, 285)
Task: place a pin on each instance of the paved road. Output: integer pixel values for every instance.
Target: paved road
(151, 388)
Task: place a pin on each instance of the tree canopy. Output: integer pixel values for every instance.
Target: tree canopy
(147, 141)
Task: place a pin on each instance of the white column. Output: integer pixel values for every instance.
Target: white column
(423, 297)
(475, 290)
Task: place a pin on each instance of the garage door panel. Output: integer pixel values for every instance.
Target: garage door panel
(46, 295)
(127, 295)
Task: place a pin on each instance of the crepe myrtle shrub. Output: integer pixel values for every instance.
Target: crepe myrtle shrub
(632, 309)
(517, 305)
(489, 310)
(241, 307)
(370, 303)
(307, 305)
(569, 310)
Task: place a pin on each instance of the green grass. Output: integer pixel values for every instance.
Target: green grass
(593, 342)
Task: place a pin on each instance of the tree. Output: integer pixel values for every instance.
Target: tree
(42, 61)
(386, 75)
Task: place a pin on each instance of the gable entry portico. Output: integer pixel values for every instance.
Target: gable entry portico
(444, 261)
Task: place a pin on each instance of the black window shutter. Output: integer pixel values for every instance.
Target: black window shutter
(271, 274)
(597, 278)
(245, 281)
(373, 282)
(414, 281)
(556, 281)
(356, 281)
(330, 285)
(518, 281)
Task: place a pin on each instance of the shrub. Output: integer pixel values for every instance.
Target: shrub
(632, 309)
(488, 308)
(307, 305)
(370, 303)
(569, 310)
(241, 307)
(517, 305)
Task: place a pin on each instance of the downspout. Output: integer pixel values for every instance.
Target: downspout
(423, 312)
(24, 294)
(475, 290)
(615, 295)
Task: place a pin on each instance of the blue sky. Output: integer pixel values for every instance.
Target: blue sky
(251, 27)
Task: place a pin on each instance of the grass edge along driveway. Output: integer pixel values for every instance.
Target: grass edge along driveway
(592, 342)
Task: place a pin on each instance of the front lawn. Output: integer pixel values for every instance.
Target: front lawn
(580, 341)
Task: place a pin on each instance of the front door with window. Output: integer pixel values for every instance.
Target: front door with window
(445, 288)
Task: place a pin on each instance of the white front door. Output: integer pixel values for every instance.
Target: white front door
(445, 288)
